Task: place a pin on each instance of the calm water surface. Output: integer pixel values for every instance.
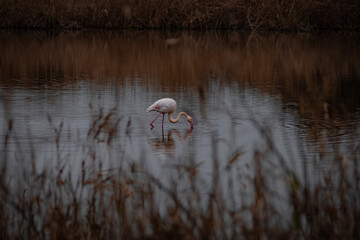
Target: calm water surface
(303, 90)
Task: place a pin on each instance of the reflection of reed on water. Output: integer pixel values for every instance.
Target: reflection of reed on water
(275, 63)
(308, 70)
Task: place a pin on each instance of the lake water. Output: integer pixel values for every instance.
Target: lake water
(303, 90)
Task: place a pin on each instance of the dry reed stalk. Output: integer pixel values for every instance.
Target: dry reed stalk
(121, 203)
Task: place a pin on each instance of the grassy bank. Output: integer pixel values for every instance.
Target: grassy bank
(295, 15)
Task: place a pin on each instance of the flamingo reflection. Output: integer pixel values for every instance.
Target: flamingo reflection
(167, 145)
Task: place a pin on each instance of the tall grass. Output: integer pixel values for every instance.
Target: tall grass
(132, 203)
(295, 15)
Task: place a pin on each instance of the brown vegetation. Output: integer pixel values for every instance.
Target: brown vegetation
(123, 203)
(294, 15)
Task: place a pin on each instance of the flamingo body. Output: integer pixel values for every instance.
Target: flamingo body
(167, 105)
(164, 105)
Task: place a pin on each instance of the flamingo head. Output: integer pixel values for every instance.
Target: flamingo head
(152, 108)
(190, 121)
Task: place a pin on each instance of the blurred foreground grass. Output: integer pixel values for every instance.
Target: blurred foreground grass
(125, 202)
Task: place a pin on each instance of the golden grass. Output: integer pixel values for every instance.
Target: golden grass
(295, 15)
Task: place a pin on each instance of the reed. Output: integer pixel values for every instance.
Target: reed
(295, 15)
(124, 202)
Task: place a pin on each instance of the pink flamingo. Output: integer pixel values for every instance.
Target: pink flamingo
(167, 105)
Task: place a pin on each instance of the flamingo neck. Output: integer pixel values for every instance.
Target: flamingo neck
(175, 120)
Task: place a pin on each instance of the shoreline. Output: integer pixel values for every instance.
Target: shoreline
(261, 15)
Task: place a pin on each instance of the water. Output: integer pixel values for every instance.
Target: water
(302, 89)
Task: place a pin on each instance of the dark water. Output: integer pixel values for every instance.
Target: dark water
(303, 90)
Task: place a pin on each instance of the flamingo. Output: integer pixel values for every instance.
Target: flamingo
(167, 105)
